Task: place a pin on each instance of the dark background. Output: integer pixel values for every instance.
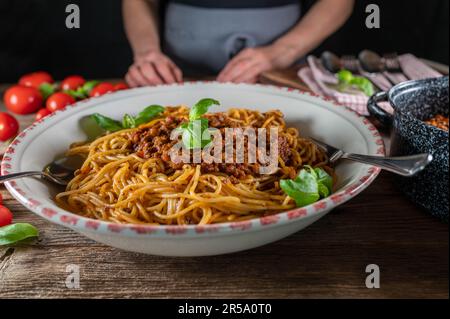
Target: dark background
(33, 35)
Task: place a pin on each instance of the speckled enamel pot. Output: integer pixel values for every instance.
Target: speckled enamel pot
(414, 102)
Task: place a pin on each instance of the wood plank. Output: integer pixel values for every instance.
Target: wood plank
(325, 260)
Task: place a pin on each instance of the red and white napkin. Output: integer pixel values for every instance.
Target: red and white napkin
(321, 81)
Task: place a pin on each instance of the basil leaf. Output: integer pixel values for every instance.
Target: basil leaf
(47, 89)
(324, 178)
(107, 123)
(323, 190)
(76, 94)
(196, 134)
(309, 186)
(363, 84)
(201, 107)
(90, 127)
(345, 76)
(88, 86)
(16, 232)
(346, 79)
(303, 191)
(128, 121)
(148, 113)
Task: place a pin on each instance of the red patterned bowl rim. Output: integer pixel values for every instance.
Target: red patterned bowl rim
(57, 215)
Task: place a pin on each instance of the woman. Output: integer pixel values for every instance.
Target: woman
(236, 39)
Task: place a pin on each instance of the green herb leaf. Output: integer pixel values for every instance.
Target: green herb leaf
(16, 232)
(363, 84)
(128, 121)
(88, 86)
(196, 134)
(106, 123)
(323, 190)
(324, 178)
(347, 79)
(77, 94)
(201, 107)
(308, 187)
(47, 89)
(304, 192)
(345, 76)
(148, 113)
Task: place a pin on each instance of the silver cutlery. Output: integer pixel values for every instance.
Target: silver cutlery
(60, 171)
(372, 62)
(402, 165)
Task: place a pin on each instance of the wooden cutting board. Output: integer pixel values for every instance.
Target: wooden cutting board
(286, 77)
(290, 78)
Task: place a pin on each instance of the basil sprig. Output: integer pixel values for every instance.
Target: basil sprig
(128, 121)
(47, 89)
(83, 91)
(13, 233)
(195, 133)
(309, 186)
(347, 79)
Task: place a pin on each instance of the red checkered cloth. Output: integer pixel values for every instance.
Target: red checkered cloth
(321, 81)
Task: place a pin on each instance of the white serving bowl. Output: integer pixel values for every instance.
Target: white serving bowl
(324, 120)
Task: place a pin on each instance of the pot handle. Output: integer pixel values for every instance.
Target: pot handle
(376, 111)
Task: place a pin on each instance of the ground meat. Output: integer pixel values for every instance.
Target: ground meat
(154, 142)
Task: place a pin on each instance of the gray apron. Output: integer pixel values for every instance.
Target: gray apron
(202, 40)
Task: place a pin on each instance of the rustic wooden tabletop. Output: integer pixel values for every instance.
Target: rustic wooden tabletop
(326, 260)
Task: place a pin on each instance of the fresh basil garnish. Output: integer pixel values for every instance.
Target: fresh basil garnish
(201, 107)
(195, 133)
(128, 121)
(347, 79)
(106, 123)
(308, 187)
(13, 233)
(47, 89)
(147, 114)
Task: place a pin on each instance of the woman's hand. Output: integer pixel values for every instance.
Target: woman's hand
(248, 64)
(152, 69)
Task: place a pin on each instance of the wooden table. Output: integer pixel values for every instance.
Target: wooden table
(326, 260)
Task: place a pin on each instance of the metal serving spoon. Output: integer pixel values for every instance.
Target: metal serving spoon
(402, 165)
(60, 171)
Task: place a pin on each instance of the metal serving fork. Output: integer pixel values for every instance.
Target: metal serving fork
(402, 165)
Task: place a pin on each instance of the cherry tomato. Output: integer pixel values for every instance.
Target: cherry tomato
(5, 216)
(72, 82)
(22, 99)
(101, 88)
(8, 126)
(35, 79)
(58, 101)
(42, 113)
(120, 86)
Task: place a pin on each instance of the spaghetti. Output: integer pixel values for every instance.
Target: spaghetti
(127, 176)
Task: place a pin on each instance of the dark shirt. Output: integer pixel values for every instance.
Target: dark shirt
(235, 3)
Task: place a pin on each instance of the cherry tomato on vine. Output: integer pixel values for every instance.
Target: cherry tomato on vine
(8, 126)
(101, 88)
(58, 101)
(120, 86)
(5, 216)
(35, 79)
(42, 113)
(22, 99)
(72, 82)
